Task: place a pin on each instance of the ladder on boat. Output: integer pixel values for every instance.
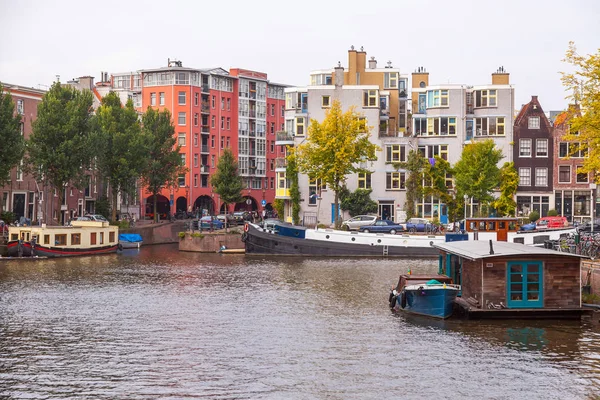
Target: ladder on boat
(385, 250)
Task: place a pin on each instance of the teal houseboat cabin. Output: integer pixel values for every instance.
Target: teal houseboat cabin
(510, 280)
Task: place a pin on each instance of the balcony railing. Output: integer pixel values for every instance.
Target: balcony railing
(205, 107)
(281, 162)
(283, 136)
(205, 87)
(205, 129)
(204, 169)
(204, 148)
(252, 114)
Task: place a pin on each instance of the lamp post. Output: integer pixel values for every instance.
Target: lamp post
(466, 197)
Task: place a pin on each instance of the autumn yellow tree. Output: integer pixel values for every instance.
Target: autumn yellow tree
(334, 149)
(584, 119)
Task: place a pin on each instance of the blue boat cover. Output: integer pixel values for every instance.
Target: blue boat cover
(130, 237)
(434, 282)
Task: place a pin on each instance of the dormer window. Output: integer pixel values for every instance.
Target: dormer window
(534, 123)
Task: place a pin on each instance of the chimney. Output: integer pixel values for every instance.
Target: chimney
(86, 82)
(500, 77)
(338, 75)
(372, 63)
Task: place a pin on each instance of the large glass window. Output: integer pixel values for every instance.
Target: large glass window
(486, 98)
(525, 148)
(564, 174)
(395, 181)
(524, 176)
(364, 180)
(541, 147)
(437, 98)
(541, 177)
(370, 98)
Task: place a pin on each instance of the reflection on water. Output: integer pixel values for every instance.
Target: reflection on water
(158, 323)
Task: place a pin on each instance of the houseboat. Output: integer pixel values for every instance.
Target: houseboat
(430, 295)
(80, 238)
(509, 280)
(507, 230)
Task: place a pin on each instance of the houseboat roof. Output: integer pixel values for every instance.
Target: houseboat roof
(480, 249)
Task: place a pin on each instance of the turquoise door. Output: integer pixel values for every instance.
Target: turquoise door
(525, 284)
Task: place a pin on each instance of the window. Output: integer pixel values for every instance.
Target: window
(222, 122)
(195, 180)
(564, 174)
(111, 237)
(228, 125)
(437, 98)
(441, 126)
(364, 180)
(20, 107)
(212, 141)
(182, 155)
(222, 103)
(395, 153)
(181, 139)
(195, 160)
(489, 126)
(390, 80)
(152, 99)
(60, 240)
(370, 98)
(212, 121)
(524, 176)
(228, 104)
(46, 239)
(213, 101)
(182, 98)
(300, 126)
(395, 181)
(541, 177)
(420, 126)
(582, 177)
(431, 151)
(181, 180)
(525, 148)
(162, 98)
(534, 123)
(541, 148)
(196, 99)
(571, 149)
(195, 119)
(486, 98)
(181, 119)
(325, 101)
(75, 238)
(313, 190)
(222, 141)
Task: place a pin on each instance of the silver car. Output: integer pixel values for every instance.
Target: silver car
(360, 220)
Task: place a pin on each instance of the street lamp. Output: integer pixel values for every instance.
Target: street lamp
(466, 197)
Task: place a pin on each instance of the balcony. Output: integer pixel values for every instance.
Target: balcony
(204, 149)
(252, 114)
(280, 164)
(284, 138)
(205, 129)
(204, 169)
(205, 87)
(388, 131)
(282, 193)
(205, 108)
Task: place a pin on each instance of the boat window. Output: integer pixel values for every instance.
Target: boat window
(101, 238)
(111, 237)
(14, 236)
(482, 225)
(472, 225)
(75, 238)
(501, 225)
(491, 226)
(46, 239)
(519, 240)
(93, 238)
(60, 240)
(512, 226)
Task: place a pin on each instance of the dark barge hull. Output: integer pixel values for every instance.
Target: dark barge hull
(263, 243)
(43, 251)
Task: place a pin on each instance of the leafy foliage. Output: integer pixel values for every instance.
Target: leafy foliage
(552, 213)
(358, 202)
(119, 145)
(505, 205)
(226, 181)
(291, 172)
(584, 83)
(279, 207)
(59, 149)
(415, 165)
(12, 145)
(103, 206)
(534, 216)
(476, 173)
(164, 162)
(334, 149)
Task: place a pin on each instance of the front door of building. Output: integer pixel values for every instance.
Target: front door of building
(525, 284)
(18, 205)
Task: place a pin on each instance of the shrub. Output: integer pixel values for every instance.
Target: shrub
(198, 235)
(8, 217)
(322, 226)
(181, 235)
(534, 216)
(552, 213)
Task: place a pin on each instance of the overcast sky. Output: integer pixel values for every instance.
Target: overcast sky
(457, 41)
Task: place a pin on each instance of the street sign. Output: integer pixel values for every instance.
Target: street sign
(248, 201)
(263, 203)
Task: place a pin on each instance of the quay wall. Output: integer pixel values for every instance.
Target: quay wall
(210, 242)
(590, 275)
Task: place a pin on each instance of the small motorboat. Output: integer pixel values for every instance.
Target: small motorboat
(130, 241)
(431, 295)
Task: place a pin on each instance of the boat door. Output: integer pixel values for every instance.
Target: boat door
(502, 231)
(525, 284)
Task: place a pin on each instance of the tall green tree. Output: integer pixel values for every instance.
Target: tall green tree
(227, 182)
(59, 150)
(164, 163)
(13, 144)
(121, 157)
(584, 84)
(358, 202)
(436, 174)
(415, 166)
(334, 149)
(505, 205)
(476, 173)
(291, 172)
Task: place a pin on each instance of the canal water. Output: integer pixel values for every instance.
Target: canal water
(156, 323)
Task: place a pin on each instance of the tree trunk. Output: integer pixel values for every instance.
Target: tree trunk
(155, 205)
(61, 219)
(336, 208)
(114, 205)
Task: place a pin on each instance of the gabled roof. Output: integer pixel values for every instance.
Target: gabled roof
(480, 249)
(532, 108)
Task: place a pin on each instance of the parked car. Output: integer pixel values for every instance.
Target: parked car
(528, 227)
(208, 221)
(382, 226)
(587, 227)
(230, 219)
(96, 217)
(242, 216)
(551, 222)
(355, 223)
(418, 225)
